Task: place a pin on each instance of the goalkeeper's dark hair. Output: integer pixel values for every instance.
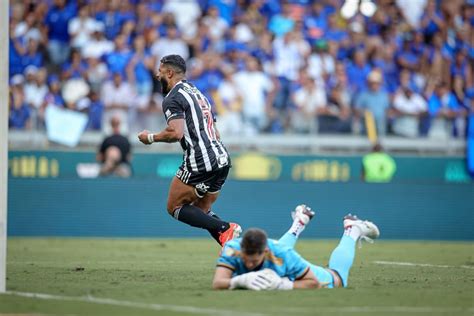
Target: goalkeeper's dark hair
(254, 241)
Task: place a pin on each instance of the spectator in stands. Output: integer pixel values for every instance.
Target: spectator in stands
(431, 20)
(408, 108)
(19, 114)
(33, 56)
(80, 28)
(336, 117)
(139, 73)
(217, 25)
(435, 60)
(35, 90)
(257, 91)
(282, 23)
(289, 57)
(172, 43)
(75, 68)
(111, 19)
(201, 42)
(115, 153)
(96, 73)
(321, 63)
(447, 116)
(357, 72)
(118, 59)
(212, 73)
(29, 28)
(315, 22)
(375, 100)
(52, 98)
(378, 166)
(461, 73)
(143, 18)
(118, 97)
(186, 23)
(406, 57)
(17, 50)
(56, 24)
(95, 111)
(228, 104)
(309, 100)
(98, 45)
(140, 68)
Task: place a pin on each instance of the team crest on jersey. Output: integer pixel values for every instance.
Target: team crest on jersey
(229, 252)
(202, 187)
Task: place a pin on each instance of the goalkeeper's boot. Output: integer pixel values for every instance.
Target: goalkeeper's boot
(303, 213)
(368, 230)
(232, 232)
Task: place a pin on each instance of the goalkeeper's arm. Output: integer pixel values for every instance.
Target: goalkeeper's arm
(222, 278)
(257, 281)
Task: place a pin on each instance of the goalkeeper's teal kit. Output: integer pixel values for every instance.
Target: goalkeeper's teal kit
(286, 262)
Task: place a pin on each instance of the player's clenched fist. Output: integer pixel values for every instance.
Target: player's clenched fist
(145, 138)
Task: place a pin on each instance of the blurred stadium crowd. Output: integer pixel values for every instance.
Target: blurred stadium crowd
(269, 66)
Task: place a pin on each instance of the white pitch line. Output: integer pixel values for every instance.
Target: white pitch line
(411, 264)
(113, 302)
(395, 309)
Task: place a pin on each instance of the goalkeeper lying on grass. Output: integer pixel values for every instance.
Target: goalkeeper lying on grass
(256, 263)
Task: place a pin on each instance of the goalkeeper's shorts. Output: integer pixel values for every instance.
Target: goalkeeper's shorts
(326, 277)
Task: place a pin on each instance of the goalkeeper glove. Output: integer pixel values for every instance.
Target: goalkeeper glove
(257, 281)
(285, 284)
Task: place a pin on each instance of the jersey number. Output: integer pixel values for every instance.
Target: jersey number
(206, 113)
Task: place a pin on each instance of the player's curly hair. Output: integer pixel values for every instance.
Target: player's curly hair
(254, 241)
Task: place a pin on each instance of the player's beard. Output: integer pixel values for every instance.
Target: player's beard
(164, 86)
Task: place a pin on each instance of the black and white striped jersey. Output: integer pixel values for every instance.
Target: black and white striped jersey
(203, 152)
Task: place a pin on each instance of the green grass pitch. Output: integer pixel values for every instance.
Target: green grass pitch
(173, 277)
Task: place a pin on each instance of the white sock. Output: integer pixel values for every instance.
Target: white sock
(297, 227)
(353, 231)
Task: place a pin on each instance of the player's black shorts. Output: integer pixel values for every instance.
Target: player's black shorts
(204, 182)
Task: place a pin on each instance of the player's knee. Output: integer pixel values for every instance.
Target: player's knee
(171, 208)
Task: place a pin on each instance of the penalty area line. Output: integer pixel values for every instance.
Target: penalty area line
(412, 264)
(149, 306)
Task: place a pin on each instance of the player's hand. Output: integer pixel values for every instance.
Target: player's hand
(143, 137)
(250, 281)
(266, 279)
(285, 284)
(239, 281)
(270, 278)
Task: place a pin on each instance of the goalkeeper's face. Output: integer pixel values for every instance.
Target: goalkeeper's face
(253, 261)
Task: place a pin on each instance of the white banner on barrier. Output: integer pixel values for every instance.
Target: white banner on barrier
(64, 126)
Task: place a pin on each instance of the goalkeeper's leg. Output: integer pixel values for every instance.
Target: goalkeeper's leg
(343, 256)
(301, 217)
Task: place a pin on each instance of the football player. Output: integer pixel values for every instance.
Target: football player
(256, 262)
